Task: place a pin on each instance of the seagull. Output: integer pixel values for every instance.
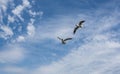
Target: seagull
(64, 40)
(78, 26)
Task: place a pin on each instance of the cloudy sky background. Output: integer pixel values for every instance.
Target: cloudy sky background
(29, 31)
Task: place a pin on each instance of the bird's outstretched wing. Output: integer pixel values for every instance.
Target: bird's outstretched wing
(80, 23)
(67, 39)
(75, 29)
(59, 38)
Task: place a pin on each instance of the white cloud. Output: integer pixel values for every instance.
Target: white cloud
(11, 19)
(33, 13)
(26, 3)
(20, 39)
(12, 54)
(18, 10)
(7, 32)
(90, 58)
(3, 4)
(31, 28)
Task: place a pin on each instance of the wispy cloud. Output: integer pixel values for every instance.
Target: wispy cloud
(3, 4)
(20, 39)
(7, 20)
(31, 28)
(12, 54)
(33, 13)
(11, 19)
(6, 32)
(18, 10)
(94, 57)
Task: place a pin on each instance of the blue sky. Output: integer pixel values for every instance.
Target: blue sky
(29, 31)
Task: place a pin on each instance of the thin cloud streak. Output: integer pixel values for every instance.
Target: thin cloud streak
(88, 58)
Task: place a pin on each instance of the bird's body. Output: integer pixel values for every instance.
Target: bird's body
(78, 26)
(63, 41)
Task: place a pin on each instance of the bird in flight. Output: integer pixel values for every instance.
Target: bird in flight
(78, 26)
(63, 41)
